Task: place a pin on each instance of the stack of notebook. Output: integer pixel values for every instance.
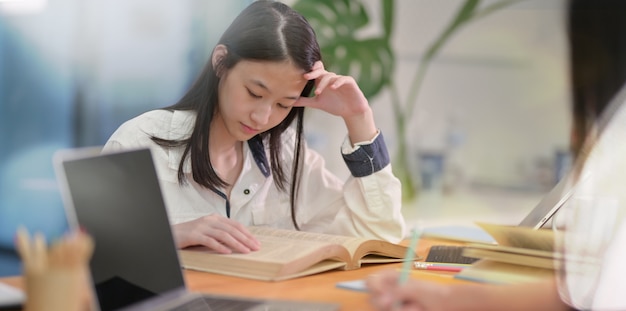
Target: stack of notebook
(521, 255)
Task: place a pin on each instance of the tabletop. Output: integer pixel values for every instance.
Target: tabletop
(319, 287)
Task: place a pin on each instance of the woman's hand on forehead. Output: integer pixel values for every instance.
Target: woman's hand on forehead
(336, 94)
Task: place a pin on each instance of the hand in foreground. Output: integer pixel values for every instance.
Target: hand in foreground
(387, 294)
(421, 295)
(55, 277)
(216, 232)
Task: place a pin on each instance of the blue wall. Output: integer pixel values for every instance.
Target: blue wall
(35, 120)
(71, 73)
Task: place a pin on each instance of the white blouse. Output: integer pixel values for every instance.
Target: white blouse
(367, 206)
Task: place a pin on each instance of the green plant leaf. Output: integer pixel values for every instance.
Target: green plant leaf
(463, 15)
(370, 60)
(388, 7)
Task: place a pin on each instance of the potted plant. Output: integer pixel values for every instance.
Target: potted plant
(372, 62)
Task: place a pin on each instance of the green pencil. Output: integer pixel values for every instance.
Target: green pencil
(409, 257)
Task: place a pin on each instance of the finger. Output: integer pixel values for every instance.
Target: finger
(22, 244)
(55, 254)
(340, 81)
(235, 242)
(240, 233)
(382, 287)
(316, 71)
(314, 75)
(39, 252)
(383, 301)
(305, 102)
(373, 283)
(324, 81)
(429, 294)
(86, 246)
(86, 243)
(318, 65)
(66, 252)
(214, 245)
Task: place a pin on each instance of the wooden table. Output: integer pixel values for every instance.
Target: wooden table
(320, 287)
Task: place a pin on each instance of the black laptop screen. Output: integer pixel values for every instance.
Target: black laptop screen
(117, 199)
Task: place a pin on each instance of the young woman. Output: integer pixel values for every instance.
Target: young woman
(231, 152)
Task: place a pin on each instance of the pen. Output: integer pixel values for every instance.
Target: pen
(409, 257)
(440, 266)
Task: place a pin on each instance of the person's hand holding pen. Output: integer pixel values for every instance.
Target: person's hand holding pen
(384, 287)
(56, 276)
(393, 290)
(386, 293)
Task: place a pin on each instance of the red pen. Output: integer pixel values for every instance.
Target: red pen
(448, 267)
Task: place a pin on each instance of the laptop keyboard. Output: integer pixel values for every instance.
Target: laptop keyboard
(196, 304)
(448, 254)
(229, 304)
(211, 303)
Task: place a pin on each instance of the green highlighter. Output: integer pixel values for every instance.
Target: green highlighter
(409, 257)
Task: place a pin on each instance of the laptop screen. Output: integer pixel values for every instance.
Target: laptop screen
(117, 199)
(549, 205)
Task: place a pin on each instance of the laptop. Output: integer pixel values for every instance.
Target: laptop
(117, 198)
(549, 204)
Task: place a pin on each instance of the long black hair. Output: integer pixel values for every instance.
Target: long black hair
(266, 30)
(597, 42)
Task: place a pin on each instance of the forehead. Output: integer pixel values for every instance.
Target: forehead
(281, 76)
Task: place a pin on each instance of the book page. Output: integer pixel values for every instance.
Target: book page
(350, 243)
(305, 236)
(546, 262)
(278, 258)
(375, 251)
(524, 237)
(281, 251)
(382, 251)
(513, 250)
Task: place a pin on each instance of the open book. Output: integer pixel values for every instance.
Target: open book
(516, 245)
(522, 254)
(287, 254)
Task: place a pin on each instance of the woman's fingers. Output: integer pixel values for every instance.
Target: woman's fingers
(218, 233)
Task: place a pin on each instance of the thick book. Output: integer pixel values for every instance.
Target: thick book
(496, 272)
(522, 255)
(521, 237)
(287, 254)
(516, 245)
(512, 255)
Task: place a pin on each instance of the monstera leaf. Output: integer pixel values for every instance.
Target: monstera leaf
(370, 60)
